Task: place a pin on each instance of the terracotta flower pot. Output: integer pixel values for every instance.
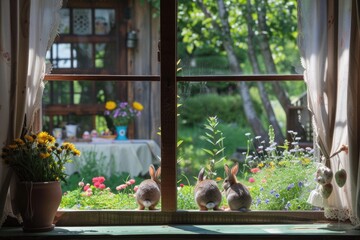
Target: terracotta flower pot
(37, 203)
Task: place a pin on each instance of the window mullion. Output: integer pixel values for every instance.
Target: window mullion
(168, 104)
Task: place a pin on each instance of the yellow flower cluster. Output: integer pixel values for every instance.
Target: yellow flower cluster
(122, 112)
(138, 106)
(110, 105)
(37, 157)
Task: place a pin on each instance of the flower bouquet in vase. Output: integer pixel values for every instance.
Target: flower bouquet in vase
(122, 113)
(38, 162)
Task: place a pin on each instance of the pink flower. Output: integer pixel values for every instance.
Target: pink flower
(255, 170)
(136, 188)
(182, 185)
(251, 180)
(263, 180)
(102, 186)
(81, 184)
(130, 182)
(87, 186)
(100, 179)
(120, 187)
(97, 184)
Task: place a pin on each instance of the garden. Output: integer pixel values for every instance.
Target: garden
(279, 177)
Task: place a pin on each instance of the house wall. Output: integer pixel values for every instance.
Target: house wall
(142, 60)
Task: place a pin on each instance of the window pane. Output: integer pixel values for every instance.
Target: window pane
(64, 27)
(74, 111)
(100, 55)
(82, 21)
(237, 37)
(107, 37)
(104, 21)
(215, 127)
(61, 55)
(83, 56)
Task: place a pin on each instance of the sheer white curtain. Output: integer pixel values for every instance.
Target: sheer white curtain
(329, 44)
(27, 30)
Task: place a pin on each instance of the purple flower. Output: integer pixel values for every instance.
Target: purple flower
(277, 195)
(123, 104)
(272, 191)
(258, 201)
(290, 186)
(287, 206)
(116, 113)
(300, 184)
(267, 201)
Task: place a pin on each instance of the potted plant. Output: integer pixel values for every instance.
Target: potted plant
(38, 162)
(122, 113)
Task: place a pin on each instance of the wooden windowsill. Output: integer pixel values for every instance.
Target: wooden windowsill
(117, 217)
(257, 231)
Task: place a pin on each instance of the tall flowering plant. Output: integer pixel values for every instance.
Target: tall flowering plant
(122, 112)
(39, 158)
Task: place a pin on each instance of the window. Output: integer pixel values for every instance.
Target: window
(169, 212)
(100, 38)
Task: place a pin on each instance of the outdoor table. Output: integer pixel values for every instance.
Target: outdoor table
(112, 156)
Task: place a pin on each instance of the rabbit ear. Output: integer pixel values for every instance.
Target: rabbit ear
(158, 172)
(152, 171)
(227, 170)
(235, 169)
(201, 175)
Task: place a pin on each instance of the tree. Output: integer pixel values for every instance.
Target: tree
(239, 29)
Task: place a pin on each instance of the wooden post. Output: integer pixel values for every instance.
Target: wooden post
(168, 105)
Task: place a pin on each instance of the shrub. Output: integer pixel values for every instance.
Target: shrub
(195, 109)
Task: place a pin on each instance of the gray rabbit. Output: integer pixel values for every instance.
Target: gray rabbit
(206, 192)
(149, 191)
(237, 195)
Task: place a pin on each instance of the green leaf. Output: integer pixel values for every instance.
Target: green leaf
(220, 140)
(209, 135)
(208, 152)
(220, 151)
(179, 142)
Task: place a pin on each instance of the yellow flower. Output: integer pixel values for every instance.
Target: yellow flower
(260, 165)
(12, 146)
(42, 137)
(29, 138)
(69, 146)
(76, 152)
(44, 155)
(138, 106)
(218, 179)
(110, 105)
(51, 139)
(19, 141)
(305, 161)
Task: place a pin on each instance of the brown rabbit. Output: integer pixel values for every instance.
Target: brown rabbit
(237, 195)
(207, 193)
(148, 193)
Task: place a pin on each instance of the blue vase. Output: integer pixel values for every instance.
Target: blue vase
(121, 132)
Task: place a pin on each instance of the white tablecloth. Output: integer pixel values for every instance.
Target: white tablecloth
(129, 156)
